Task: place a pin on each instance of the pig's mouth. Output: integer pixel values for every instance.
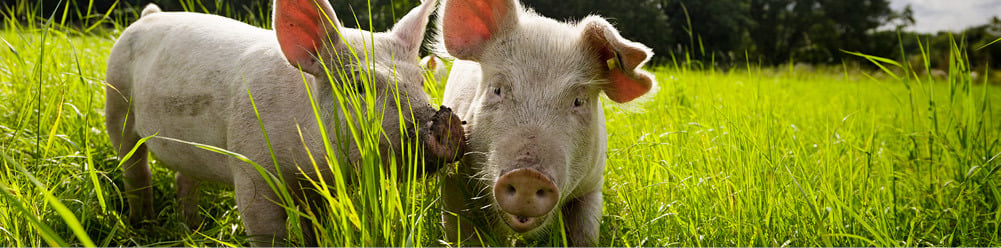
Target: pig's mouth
(523, 224)
(443, 137)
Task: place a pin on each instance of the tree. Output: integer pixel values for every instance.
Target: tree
(769, 32)
(778, 27)
(815, 30)
(637, 20)
(711, 30)
(985, 46)
(846, 25)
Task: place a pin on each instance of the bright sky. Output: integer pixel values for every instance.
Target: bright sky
(954, 15)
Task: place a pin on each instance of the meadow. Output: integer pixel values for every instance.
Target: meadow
(847, 155)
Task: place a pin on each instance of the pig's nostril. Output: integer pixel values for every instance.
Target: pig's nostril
(540, 193)
(511, 190)
(522, 219)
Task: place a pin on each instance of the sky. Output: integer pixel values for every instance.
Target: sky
(953, 15)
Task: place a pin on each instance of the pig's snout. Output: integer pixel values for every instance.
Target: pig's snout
(443, 137)
(526, 196)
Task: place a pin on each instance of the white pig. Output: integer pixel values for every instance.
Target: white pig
(435, 66)
(528, 86)
(187, 76)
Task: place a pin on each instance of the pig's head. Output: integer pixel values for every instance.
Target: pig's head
(379, 70)
(536, 125)
(432, 63)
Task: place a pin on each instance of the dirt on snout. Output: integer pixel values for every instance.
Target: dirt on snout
(444, 138)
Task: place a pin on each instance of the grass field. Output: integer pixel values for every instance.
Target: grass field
(833, 156)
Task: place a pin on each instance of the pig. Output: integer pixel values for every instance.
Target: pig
(192, 77)
(435, 66)
(528, 87)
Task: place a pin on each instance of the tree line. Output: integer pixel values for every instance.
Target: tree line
(724, 33)
(695, 33)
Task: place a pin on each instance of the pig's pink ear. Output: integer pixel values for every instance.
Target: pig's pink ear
(410, 28)
(620, 60)
(303, 27)
(468, 25)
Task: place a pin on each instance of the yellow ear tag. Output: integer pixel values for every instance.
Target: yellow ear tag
(614, 62)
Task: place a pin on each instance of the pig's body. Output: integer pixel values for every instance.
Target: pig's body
(186, 76)
(528, 88)
(208, 102)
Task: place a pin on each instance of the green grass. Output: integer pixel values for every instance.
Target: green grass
(747, 157)
(776, 157)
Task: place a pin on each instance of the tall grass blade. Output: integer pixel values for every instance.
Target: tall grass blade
(102, 19)
(989, 44)
(68, 217)
(878, 61)
(49, 235)
(55, 126)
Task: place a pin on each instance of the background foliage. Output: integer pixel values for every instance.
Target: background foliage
(723, 33)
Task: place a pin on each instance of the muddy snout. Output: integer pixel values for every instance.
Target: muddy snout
(525, 196)
(443, 137)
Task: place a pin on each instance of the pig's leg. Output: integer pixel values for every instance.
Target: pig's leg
(315, 204)
(138, 181)
(457, 212)
(187, 198)
(138, 185)
(582, 216)
(263, 218)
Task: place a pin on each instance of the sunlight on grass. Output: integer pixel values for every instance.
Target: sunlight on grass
(773, 157)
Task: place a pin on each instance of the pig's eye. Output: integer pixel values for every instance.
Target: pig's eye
(497, 91)
(577, 102)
